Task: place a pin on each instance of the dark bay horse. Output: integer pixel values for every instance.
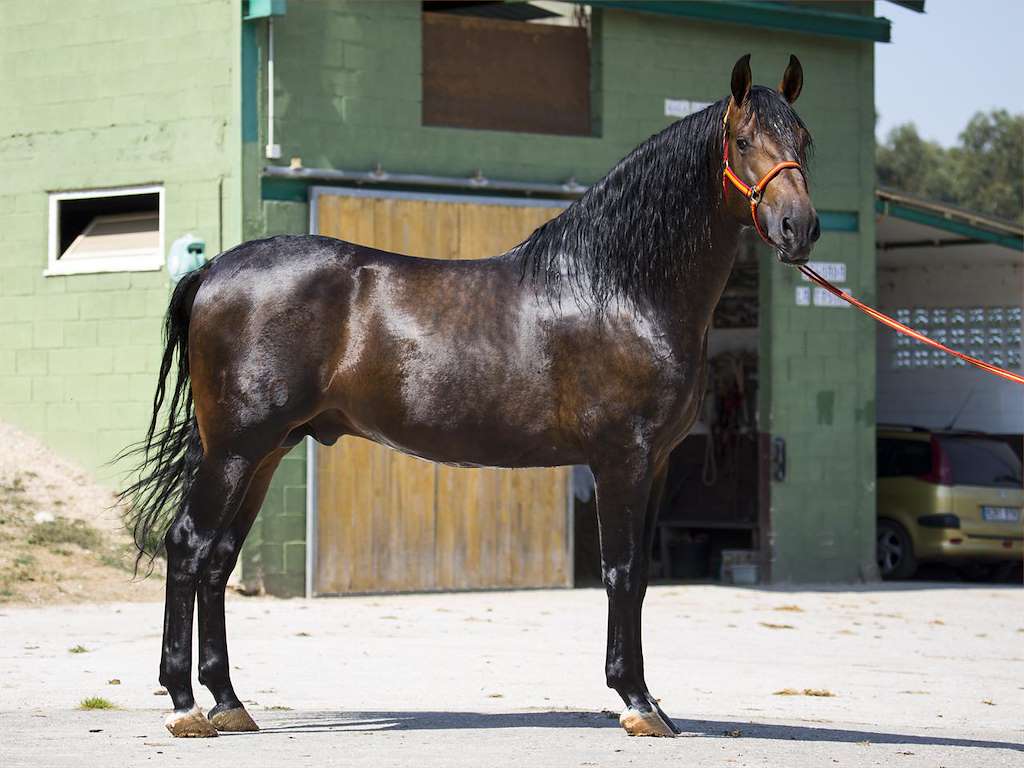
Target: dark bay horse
(585, 344)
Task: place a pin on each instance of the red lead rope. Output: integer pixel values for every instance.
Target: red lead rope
(901, 328)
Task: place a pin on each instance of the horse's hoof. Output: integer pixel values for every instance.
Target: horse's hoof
(190, 724)
(234, 720)
(639, 723)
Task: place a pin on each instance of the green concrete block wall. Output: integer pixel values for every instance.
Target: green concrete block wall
(118, 93)
(274, 556)
(348, 94)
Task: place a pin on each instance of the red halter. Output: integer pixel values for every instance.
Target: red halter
(754, 193)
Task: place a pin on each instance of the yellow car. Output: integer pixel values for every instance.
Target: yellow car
(952, 497)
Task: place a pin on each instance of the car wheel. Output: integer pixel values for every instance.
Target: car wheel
(894, 551)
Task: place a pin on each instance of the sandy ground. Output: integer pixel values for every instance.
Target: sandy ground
(82, 553)
(921, 675)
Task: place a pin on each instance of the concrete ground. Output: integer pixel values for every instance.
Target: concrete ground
(920, 675)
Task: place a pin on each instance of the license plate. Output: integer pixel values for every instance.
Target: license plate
(1000, 514)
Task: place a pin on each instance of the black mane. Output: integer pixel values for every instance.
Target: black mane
(634, 234)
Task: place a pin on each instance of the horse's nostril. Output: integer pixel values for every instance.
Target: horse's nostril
(787, 227)
(816, 232)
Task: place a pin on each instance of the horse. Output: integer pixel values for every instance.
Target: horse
(586, 344)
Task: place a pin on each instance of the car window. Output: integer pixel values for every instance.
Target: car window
(902, 458)
(977, 461)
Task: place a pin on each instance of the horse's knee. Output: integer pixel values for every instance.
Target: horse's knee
(623, 581)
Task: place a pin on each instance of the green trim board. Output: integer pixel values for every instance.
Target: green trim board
(263, 9)
(908, 213)
(285, 190)
(298, 191)
(839, 221)
(759, 14)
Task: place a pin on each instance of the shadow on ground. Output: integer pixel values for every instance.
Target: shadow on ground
(325, 722)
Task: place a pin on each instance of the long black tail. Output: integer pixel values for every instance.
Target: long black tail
(167, 459)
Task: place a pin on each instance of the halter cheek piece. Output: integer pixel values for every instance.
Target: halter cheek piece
(755, 193)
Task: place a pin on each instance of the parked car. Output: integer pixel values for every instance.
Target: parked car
(951, 497)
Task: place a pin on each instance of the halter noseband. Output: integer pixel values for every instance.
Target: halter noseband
(755, 193)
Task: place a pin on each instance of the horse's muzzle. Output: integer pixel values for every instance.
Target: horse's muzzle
(796, 235)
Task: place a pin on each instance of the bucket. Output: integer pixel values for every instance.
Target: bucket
(745, 575)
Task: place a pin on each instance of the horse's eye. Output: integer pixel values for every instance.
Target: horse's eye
(742, 144)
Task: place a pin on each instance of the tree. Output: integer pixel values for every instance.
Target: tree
(984, 172)
(989, 165)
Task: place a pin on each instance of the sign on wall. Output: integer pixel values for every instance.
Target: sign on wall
(683, 107)
(807, 296)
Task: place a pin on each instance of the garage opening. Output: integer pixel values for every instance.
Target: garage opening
(949, 492)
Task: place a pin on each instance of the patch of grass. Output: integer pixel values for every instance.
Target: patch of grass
(15, 486)
(20, 570)
(15, 503)
(117, 558)
(78, 649)
(95, 702)
(821, 692)
(64, 531)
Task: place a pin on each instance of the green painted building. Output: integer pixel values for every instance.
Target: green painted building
(136, 122)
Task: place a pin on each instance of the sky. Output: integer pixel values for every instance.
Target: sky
(942, 66)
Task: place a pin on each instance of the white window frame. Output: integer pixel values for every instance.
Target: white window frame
(147, 261)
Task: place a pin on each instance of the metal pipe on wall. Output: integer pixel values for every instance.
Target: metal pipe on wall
(272, 151)
(479, 182)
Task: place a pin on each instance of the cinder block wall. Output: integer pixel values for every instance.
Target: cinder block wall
(105, 94)
(348, 95)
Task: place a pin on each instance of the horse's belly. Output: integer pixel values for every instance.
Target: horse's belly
(455, 421)
(485, 449)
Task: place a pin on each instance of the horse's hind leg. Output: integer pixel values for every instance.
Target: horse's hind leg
(626, 512)
(228, 714)
(220, 484)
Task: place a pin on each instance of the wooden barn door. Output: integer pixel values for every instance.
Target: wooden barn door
(387, 522)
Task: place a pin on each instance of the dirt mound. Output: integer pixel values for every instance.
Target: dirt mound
(61, 540)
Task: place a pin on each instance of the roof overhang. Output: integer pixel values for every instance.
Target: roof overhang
(793, 18)
(911, 231)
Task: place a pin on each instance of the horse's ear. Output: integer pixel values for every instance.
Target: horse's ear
(792, 80)
(741, 80)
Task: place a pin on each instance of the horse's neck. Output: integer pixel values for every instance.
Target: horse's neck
(693, 301)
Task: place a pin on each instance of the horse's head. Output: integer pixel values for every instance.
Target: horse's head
(764, 153)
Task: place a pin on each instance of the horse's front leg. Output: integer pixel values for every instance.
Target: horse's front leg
(627, 499)
(228, 714)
